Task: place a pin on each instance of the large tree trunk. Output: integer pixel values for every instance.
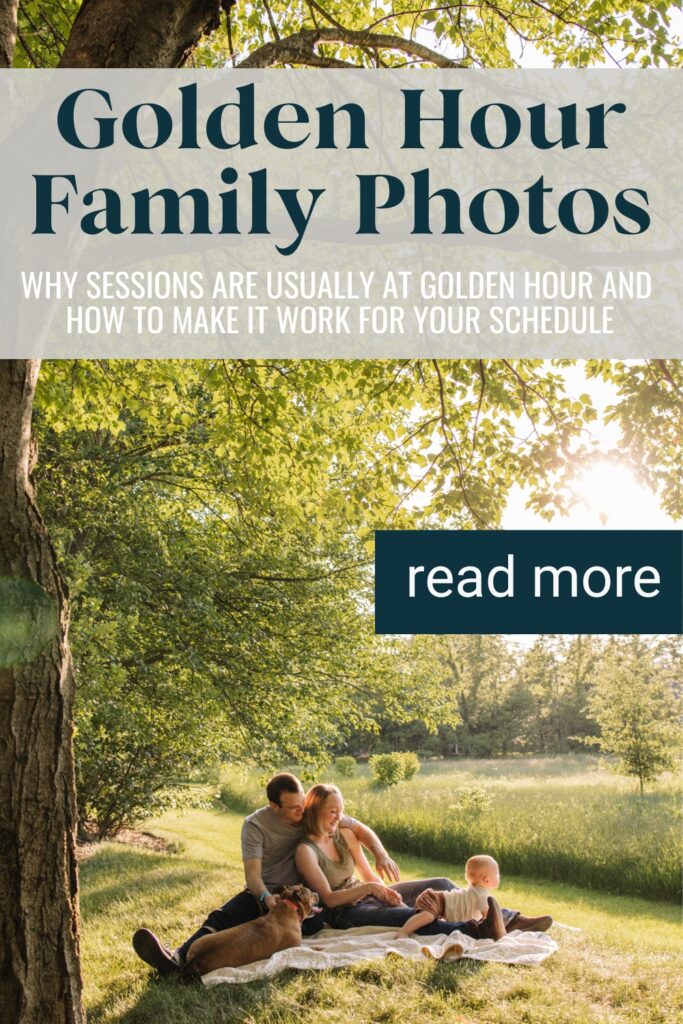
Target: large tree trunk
(8, 31)
(137, 33)
(40, 979)
(39, 958)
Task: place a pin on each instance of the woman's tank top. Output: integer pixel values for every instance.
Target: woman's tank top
(338, 873)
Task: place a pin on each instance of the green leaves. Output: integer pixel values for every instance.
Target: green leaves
(581, 34)
(44, 27)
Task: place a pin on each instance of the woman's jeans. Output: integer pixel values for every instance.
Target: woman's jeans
(370, 911)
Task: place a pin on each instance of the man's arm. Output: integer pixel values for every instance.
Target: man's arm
(386, 867)
(256, 885)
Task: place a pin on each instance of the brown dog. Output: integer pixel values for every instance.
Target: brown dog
(255, 940)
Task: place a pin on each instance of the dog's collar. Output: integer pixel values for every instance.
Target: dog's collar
(291, 903)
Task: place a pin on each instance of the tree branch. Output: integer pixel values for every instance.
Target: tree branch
(299, 48)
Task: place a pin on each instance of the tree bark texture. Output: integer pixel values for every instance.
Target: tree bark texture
(40, 980)
(8, 31)
(137, 33)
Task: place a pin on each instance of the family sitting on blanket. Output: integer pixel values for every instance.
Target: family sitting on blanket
(308, 836)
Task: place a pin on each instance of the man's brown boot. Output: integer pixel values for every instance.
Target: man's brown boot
(519, 923)
(492, 927)
(154, 953)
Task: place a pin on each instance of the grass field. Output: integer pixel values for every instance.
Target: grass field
(560, 819)
(621, 967)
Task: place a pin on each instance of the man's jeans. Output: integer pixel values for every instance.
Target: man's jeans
(245, 907)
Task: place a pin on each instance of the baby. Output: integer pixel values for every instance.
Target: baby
(468, 904)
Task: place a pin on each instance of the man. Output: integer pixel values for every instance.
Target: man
(270, 837)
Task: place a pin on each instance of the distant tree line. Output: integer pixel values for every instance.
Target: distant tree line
(561, 694)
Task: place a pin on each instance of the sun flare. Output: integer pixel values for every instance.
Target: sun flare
(609, 495)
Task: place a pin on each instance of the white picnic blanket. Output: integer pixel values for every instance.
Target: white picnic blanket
(337, 948)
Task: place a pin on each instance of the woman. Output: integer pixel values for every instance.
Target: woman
(330, 856)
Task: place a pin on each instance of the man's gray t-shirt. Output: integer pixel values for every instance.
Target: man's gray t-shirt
(274, 842)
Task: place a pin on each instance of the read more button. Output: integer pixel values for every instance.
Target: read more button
(500, 580)
(522, 581)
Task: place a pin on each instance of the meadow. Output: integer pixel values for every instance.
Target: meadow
(617, 963)
(565, 819)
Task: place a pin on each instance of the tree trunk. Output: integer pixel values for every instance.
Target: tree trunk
(137, 33)
(8, 31)
(40, 979)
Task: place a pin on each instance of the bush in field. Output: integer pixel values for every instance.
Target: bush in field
(473, 800)
(346, 767)
(411, 764)
(387, 769)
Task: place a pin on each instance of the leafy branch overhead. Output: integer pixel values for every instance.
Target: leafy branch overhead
(344, 33)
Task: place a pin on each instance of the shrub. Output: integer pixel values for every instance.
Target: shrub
(411, 764)
(473, 799)
(387, 769)
(346, 767)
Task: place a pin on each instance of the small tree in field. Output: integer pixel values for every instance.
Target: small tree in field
(636, 708)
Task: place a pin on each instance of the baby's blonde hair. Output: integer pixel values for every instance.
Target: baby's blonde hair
(481, 862)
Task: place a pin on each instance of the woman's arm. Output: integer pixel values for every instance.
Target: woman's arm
(378, 888)
(314, 877)
(359, 858)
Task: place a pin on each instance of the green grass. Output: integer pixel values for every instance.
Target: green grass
(561, 819)
(620, 968)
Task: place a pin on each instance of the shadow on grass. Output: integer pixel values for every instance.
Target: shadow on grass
(447, 978)
(300, 995)
(172, 1002)
(114, 876)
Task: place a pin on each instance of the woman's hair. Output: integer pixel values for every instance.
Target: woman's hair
(313, 806)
